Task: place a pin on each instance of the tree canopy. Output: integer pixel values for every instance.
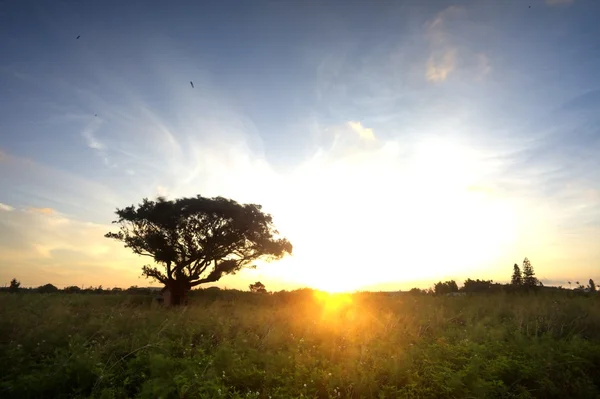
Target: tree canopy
(517, 277)
(258, 287)
(529, 279)
(198, 240)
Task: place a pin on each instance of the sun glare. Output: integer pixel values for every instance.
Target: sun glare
(332, 302)
(436, 222)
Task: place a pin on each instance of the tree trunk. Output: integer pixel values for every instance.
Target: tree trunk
(177, 293)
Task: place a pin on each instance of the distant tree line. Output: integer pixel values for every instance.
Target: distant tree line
(15, 286)
(522, 280)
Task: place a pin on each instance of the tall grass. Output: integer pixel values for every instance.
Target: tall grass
(241, 345)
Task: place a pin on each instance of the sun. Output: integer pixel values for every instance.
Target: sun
(427, 218)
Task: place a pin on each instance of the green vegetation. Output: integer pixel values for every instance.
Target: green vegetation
(232, 344)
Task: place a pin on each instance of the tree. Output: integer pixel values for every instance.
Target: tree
(47, 289)
(477, 285)
(14, 285)
(517, 277)
(529, 279)
(197, 240)
(446, 287)
(592, 286)
(258, 287)
(73, 289)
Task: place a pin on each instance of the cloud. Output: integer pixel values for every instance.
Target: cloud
(6, 208)
(438, 69)
(447, 48)
(39, 246)
(363, 132)
(89, 134)
(33, 183)
(443, 53)
(43, 211)
(403, 179)
(559, 2)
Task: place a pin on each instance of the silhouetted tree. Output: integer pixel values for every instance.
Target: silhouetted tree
(47, 289)
(258, 287)
(477, 285)
(592, 286)
(517, 277)
(14, 285)
(197, 240)
(73, 289)
(529, 279)
(446, 287)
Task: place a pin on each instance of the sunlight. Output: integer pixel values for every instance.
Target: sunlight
(435, 223)
(332, 302)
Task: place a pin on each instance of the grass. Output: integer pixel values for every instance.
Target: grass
(290, 345)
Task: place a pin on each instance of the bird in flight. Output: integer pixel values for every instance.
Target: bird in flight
(192, 83)
(78, 36)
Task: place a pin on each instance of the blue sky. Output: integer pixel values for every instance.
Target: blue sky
(449, 138)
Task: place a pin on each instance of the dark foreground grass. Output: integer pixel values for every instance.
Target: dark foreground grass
(238, 345)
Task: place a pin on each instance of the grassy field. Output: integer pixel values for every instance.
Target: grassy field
(289, 345)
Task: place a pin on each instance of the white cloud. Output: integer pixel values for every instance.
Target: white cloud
(363, 132)
(6, 208)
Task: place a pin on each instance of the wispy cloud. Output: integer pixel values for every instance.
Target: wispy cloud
(89, 134)
(447, 50)
(439, 68)
(33, 183)
(442, 60)
(41, 247)
(43, 211)
(386, 159)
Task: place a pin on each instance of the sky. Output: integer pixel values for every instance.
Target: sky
(395, 143)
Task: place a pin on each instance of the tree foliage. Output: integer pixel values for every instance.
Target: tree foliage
(529, 279)
(517, 277)
(14, 285)
(445, 287)
(258, 287)
(47, 289)
(198, 240)
(477, 285)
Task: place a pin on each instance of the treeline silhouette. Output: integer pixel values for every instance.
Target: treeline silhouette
(521, 281)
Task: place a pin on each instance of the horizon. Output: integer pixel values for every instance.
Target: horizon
(396, 144)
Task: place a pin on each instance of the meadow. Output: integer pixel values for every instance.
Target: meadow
(229, 344)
